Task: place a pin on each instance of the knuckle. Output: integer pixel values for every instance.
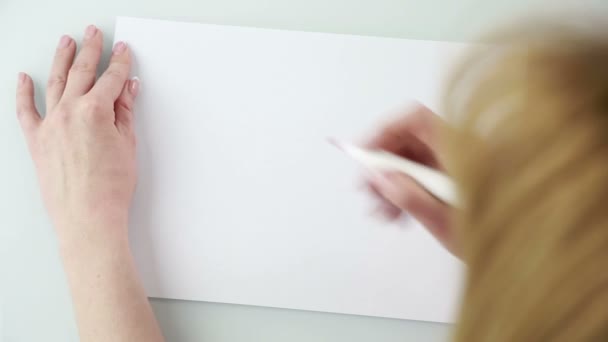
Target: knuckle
(115, 73)
(56, 81)
(124, 105)
(93, 105)
(92, 109)
(95, 110)
(82, 67)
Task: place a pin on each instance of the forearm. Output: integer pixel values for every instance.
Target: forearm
(84, 152)
(109, 301)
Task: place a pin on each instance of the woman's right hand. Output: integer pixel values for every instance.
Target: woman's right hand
(413, 136)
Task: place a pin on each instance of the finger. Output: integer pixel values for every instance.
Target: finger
(412, 136)
(64, 56)
(382, 202)
(26, 108)
(123, 107)
(404, 193)
(110, 85)
(417, 120)
(387, 212)
(82, 74)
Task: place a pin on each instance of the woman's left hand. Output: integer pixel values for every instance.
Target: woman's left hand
(84, 148)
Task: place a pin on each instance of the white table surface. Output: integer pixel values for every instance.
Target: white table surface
(34, 300)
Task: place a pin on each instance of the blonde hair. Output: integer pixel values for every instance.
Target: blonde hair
(528, 146)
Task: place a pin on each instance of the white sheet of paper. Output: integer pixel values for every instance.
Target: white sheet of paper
(241, 199)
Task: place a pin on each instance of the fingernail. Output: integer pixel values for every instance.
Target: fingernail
(90, 32)
(21, 78)
(134, 86)
(119, 48)
(64, 42)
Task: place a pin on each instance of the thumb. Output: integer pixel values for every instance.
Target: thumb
(124, 106)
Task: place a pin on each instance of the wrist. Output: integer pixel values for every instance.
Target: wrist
(79, 235)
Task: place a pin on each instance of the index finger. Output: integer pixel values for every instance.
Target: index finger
(418, 123)
(412, 136)
(111, 83)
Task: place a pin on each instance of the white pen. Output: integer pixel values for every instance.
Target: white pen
(435, 182)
